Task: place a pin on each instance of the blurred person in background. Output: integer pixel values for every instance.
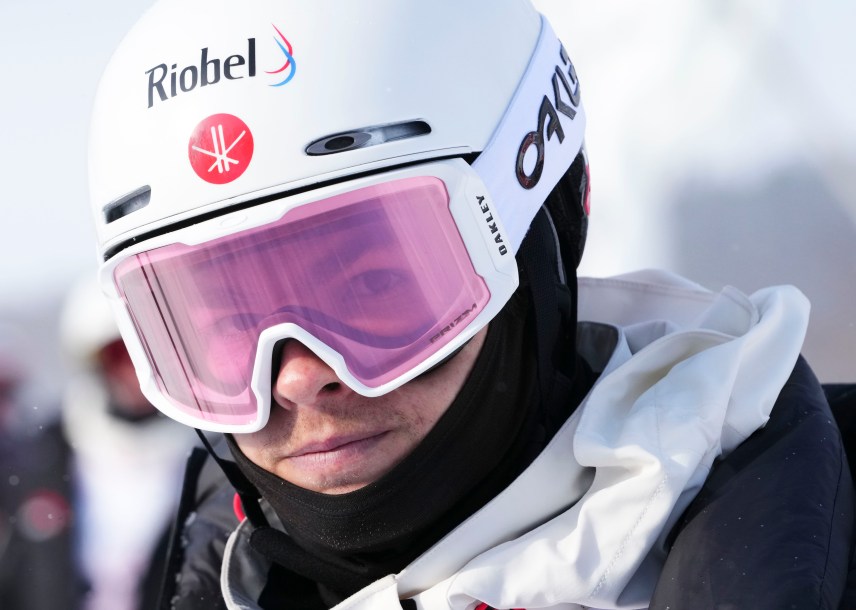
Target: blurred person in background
(95, 490)
(36, 566)
(13, 376)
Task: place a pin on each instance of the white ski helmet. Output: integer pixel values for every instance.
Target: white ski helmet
(86, 323)
(210, 108)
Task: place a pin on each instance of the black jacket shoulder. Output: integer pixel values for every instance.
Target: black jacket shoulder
(204, 521)
(772, 527)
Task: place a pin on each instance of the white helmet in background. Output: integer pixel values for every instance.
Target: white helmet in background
(86, 324)
(230, 142)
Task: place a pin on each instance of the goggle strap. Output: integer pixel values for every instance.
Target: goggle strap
(539, 259)
(544, 126)
(554, 305)
(246, 491)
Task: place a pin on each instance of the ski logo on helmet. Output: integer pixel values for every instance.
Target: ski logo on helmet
(549, 121)
(166, 82)
(220, 148)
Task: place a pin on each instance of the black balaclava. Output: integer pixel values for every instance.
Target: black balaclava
(502, 418)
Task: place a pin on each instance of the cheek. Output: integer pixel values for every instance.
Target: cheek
(432, 407)
(247, 443)
(221, 354)
(432, 395)
(268, 444)
(253, 446)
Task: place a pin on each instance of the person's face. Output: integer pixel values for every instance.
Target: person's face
(324, 437)
(121, 382)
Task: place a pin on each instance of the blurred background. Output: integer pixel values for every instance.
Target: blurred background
(52, 54)
(722, 139)
(721, 134)
(89, 472)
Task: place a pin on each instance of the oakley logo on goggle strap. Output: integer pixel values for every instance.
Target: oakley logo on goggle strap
(549, 122)
(220, 148)
(165, 82)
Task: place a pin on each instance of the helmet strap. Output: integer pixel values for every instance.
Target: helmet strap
(246, 491)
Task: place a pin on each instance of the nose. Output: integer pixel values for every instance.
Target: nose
(303, 378)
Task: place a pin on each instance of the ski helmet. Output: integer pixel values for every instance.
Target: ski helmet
(250, 138)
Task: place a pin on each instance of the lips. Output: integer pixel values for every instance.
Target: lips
(337, 443)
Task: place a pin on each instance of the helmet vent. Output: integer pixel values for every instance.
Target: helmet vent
(367, 136)
(126, 204)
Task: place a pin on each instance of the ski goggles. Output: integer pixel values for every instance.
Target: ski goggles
(382, 277)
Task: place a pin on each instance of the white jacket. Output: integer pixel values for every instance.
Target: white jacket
(687, 375)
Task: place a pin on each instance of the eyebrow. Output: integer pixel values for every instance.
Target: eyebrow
(344, 255)
(335, 255)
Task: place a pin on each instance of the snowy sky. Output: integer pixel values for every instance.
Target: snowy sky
(52, 54)
(721, 135)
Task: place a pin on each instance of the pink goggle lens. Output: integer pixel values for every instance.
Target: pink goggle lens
(379, 275)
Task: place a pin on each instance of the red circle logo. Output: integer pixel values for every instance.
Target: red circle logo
(220, 148)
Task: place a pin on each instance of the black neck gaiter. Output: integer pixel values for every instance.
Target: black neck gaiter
(490, 433)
